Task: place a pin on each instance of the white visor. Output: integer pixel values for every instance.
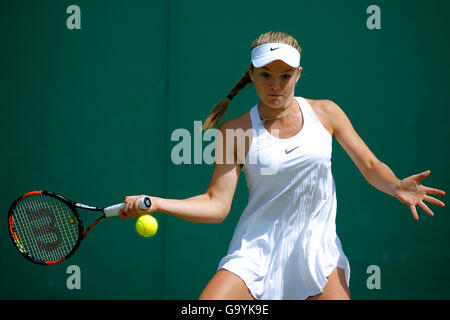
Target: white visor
(266, 53)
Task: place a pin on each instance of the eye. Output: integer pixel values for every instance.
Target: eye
(264, 74)
(287, 76)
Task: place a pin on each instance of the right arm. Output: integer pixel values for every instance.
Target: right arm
(212, 206)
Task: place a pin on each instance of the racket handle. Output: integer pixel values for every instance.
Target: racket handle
(112, 211)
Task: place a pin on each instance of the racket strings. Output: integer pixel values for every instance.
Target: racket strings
(45, 228)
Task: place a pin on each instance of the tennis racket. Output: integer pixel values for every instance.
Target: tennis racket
(46, 228)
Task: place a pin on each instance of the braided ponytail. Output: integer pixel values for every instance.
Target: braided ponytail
(219, 109)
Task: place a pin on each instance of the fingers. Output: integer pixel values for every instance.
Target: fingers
(435, 191)
(414, 212)
(131, 209)
(125, 211)
(420, 176)
(434, 201)
(425, 208)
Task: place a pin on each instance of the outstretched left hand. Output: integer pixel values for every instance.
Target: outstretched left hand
(411, 192)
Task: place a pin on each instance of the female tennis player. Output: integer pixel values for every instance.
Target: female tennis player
(285, 244)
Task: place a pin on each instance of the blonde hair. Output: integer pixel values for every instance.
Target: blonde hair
(219, 109)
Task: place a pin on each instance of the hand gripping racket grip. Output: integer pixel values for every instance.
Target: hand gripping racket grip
(111, 211)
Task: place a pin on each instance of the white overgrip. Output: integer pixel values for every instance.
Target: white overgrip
(112, 211)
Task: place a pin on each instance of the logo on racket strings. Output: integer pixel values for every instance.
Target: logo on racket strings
(44, 225)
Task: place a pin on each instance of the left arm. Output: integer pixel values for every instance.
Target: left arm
(378, 174)
(381, 177)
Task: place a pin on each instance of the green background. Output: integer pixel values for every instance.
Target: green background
(89, 114)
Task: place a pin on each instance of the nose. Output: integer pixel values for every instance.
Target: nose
(275, 84)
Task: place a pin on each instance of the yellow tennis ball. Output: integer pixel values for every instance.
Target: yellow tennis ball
(146, 225)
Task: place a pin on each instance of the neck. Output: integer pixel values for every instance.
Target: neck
(267, 113)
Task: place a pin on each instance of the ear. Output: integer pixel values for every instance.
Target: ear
(300, 69)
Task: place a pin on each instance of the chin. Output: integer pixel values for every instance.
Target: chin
(275, 101)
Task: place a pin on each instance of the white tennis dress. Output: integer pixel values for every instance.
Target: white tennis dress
(285, 243)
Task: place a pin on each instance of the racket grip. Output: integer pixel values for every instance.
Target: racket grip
(112, 211)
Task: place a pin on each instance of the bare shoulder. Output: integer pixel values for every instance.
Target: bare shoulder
(241, 134)
(241, 122)
(324, 110)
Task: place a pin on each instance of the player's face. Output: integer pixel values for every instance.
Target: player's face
(275, 83)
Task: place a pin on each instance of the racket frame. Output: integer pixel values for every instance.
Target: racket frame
(72, 205)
